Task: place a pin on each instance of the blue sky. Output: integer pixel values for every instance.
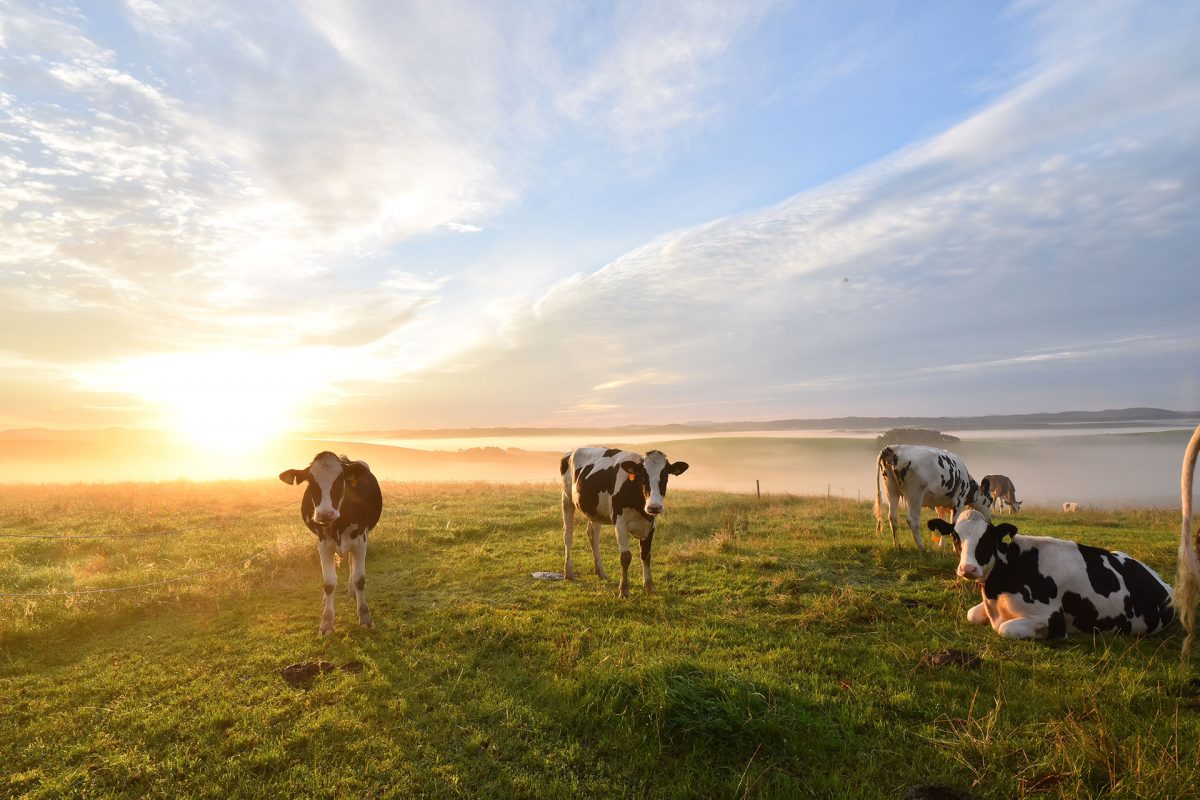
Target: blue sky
(383, 215)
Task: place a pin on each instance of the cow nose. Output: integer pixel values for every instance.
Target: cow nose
(653, 508)
(327, 516)
(968, 572)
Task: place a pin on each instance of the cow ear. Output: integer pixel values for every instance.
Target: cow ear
(293, 476)
(939, 525)
(678, 468)
(984, 487)
(631, 467)
(1006, 529)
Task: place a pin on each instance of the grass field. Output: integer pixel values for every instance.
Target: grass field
(782, 657)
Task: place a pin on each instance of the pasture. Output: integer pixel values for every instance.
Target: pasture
(788, 654)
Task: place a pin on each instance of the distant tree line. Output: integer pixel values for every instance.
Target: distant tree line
(924, 436)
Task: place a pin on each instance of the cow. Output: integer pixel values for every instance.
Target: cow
(1036, 587)
(1003, 493)
(617, 487)
(1187, 576)
(1070, 508)
(341, 505)
(924, 476)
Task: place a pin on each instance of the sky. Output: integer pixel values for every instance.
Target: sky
(225, 217)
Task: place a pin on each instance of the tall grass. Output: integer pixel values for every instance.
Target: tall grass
(785, 655)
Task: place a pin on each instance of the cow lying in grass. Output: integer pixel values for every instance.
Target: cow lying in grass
(1035, 587)
(341, 505)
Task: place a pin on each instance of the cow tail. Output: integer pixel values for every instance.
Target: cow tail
(880, 466)
(1187, 578)
(564, 464)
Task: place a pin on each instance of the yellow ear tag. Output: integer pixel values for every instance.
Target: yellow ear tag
(354, 480)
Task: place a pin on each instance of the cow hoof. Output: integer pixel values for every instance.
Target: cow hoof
(650, 590)
(326, 631)
(366, 622)
(601, 576)
(569, 574)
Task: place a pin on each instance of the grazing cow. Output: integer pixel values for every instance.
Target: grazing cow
(1003, 493)
(341, 505)
(1187, 580)
(617, 487)
(1035, 587)
(1070, 508)
(924, 476)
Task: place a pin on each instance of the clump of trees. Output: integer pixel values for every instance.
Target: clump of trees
(929, 438)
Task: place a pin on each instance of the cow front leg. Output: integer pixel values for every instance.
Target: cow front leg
(977, 615)
(626, 558)
(329, 576)
(594, 536)
(568, 509)
(647, 581)
(358, 579)
(1019, 628)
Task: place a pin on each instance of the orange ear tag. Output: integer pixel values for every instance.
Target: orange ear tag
(632, 477)
(937, 538)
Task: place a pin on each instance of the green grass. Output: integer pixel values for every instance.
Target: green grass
(782, 657)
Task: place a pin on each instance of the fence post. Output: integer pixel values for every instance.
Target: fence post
(757, 490)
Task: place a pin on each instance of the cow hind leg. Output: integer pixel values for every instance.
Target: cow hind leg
(568, 510)
(647, 581)
(358, 580)
(594, 537)
(329, 578)
(914, 523)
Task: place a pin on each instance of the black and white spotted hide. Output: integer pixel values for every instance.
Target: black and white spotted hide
(1036, 587)
(924, 476)
(617, 487)
(342, 504)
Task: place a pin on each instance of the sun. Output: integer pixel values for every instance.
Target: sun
(215, 400)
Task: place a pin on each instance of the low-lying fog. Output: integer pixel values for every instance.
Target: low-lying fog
(1048, 468)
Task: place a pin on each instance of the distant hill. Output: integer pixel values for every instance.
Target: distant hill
(1045, 420)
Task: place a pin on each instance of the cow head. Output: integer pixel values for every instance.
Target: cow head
(976, 539)
(653, 473)
(327, 477)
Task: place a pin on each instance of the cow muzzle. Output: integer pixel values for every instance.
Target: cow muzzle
(969, 572)
(326, 516)
(654, 509)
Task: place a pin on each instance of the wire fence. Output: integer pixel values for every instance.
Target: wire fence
(242, 562)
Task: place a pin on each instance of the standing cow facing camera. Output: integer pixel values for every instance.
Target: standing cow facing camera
(924, 476)
(617, 487)
(1035, 587)
(341, 505)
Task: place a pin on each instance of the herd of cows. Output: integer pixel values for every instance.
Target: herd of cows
(1030, 586)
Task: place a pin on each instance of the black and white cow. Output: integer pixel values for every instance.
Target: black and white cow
(620, 488)
(341, 505)
(924, 476)
(1035, 587)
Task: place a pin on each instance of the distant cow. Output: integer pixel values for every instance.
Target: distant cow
(1187, 581)
(1003, 493)
(1070, 508)
(924, 476)
(1035, 587)
(341, 505)
(620, 488)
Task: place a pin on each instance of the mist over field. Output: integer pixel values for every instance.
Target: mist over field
(1106, 469)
